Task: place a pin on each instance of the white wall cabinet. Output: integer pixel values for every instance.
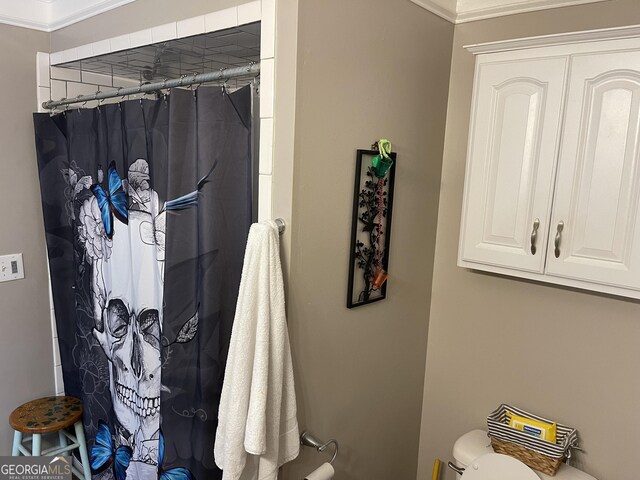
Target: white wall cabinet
(552, 186)
(510, 178)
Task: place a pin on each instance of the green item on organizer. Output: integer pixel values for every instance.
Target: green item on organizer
(382, 163)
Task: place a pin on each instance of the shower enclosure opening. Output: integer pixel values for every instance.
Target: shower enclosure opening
(147, 199)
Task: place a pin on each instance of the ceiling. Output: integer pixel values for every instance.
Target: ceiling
(461, 11)
(207, 52)
(49, 15)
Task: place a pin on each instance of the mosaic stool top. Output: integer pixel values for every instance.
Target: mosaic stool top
(48, 414)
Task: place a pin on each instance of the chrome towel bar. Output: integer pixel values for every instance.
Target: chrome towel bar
(310, 441)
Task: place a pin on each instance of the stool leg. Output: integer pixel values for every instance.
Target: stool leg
(63, 441)
(35, 444)
(17, 441)
(86, 468)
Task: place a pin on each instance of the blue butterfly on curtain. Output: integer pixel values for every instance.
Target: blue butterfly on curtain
(103, 454)
(179, 473)
(190, 199)
(113, 201)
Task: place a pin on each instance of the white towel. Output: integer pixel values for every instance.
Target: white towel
(257, 424)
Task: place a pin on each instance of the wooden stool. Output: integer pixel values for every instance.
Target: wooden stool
(49, 415)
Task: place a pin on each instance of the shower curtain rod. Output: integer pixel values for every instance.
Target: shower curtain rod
(185, 80)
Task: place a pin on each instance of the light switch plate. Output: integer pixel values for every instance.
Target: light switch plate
(11, 267)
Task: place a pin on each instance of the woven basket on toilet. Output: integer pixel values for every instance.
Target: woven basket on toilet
(538, 454)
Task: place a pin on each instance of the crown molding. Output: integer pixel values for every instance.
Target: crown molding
(616, 33)
(512, 8)
(436, 8)
(464, 14)
(24, 23)
(50, 15)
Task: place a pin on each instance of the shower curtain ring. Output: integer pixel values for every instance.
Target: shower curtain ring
(224, 80)
(193, 87)
(121, 99)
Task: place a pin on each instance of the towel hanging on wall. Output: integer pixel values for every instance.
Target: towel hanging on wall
(257, 424)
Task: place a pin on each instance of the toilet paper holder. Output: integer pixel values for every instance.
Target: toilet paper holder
(310, 441)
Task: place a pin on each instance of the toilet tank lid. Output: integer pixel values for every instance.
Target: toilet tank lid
(476, 442)
(470, 446)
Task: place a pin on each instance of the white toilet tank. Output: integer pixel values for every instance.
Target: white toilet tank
(476, 443)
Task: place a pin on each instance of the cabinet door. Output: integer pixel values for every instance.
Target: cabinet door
(598, 174)
(511, 163)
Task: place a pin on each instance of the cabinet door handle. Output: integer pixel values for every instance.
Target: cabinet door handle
(534, 236)
(558, 235)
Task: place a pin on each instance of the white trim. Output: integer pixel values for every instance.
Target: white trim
(616, 33)
(510, 7)
(21, 22)
(513, 9)
(550, 280)
(56, 21)
(437, 9)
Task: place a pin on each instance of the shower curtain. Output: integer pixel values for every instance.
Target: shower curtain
(147, 207)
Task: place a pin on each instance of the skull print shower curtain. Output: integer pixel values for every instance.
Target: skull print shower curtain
(147, 206)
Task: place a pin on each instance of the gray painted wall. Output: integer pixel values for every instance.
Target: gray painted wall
(583, 370)
(26, 363)
(366, 69)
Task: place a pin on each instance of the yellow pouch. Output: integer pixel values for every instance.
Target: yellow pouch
(542, 430)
